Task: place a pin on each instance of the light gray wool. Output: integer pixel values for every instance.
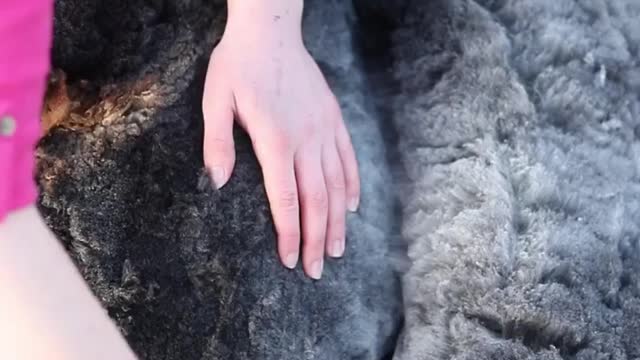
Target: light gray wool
(518, 129)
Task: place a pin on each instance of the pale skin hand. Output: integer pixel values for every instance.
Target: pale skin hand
(261, 75)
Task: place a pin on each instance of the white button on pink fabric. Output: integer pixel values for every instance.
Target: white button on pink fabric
(7, 126)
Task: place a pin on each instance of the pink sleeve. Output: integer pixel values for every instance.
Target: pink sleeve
(25, 43)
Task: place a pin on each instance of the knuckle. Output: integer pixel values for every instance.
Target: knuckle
(338, 221)
(314, 245)
(219, 145)
(309, 130)
(217, 151)
(281, 143)
(336, 181)
(317, 200)
(337, 225)
(289, 236)
(288, 200)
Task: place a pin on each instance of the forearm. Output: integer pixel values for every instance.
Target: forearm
(262, 20)
(47, 311)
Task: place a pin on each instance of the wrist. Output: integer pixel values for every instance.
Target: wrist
(257, 21)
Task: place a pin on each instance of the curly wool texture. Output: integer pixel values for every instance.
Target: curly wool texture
(186, 271)
(509, 128)
(517, 127)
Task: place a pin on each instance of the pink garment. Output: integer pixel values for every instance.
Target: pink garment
(25, 43)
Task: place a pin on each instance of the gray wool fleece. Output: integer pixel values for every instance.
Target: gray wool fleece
(518, 125)
(499, 139)
(189, 272)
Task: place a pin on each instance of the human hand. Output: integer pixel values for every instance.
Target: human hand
(262, 76)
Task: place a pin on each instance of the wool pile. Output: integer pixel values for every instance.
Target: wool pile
(499, 147)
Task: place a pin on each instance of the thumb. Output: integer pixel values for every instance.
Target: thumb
(219, 152)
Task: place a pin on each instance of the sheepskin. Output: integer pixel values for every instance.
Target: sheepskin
(186, 271)
(518, 128)
(499, 144)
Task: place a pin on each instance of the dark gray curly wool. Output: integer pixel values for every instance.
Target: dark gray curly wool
(186, 271)
(510, 128)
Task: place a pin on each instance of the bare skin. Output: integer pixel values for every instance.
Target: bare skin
(262, 76)
(47, 310)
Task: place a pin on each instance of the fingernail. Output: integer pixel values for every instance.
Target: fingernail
(218, 176)
(316, 269)
(291, 260)
(337, 249)
(353, 204)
